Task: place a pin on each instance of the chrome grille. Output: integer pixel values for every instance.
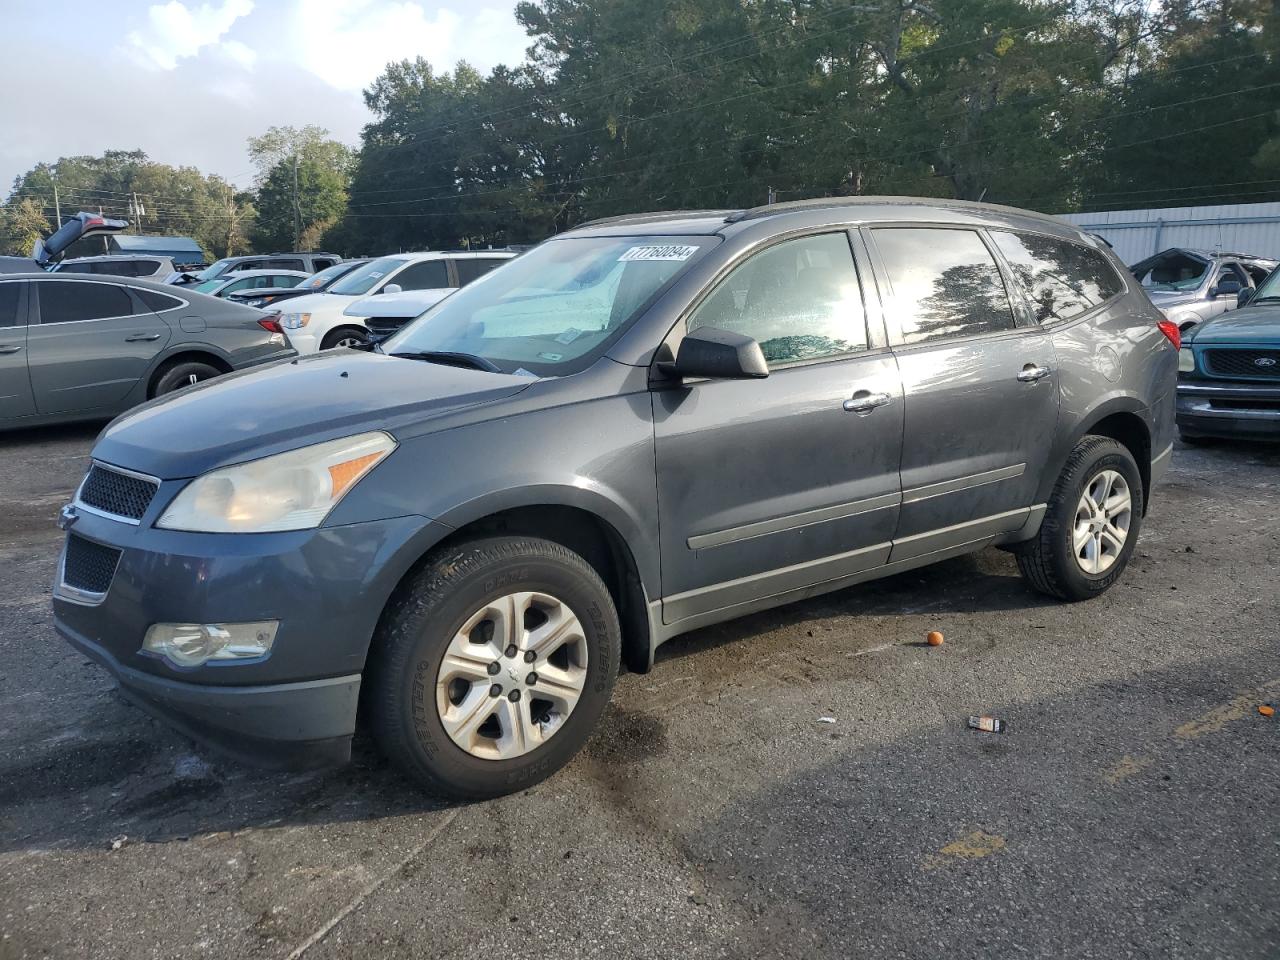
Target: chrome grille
(120, 494)
(88, 566)
(1244, 362)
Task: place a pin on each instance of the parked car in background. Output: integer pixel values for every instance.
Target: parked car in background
(307, 263)
(640, 427)
(247, 281)
(1229, 371)
(1190, 286)
(120, 265)
(321, 321)
(86, 348)
(316, 283)
(386, 313)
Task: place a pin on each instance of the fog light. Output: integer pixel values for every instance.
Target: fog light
(1186, 360)
(191, 644)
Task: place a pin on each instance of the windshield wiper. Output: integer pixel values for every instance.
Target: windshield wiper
(451, 358)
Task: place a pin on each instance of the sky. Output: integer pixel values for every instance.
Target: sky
(188, 81)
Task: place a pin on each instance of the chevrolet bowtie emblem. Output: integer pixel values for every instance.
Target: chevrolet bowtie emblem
(67, 516)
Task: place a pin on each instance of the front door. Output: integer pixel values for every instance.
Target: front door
(767, 486)
(92, 344)
(15, 384)
(980, 389)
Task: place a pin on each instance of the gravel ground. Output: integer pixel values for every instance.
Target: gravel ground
(1130, 811)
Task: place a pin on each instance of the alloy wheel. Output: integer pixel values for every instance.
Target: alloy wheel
(1102, 522)
(512, 675)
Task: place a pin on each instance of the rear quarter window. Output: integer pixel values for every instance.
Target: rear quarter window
(1061, 279)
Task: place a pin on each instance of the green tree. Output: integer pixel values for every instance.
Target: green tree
(22, 222)
(302, 186)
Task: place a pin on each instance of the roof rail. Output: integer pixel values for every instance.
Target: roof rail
(770, 209)
(653, 215)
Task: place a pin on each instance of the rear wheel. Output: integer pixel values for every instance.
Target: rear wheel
(183, 375)
(492, 666)
(344, 337)
(1091, 525)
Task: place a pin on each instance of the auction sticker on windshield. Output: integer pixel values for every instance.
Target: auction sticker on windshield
(669, 252)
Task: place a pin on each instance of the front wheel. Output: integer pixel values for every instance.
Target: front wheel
(344, 337)
(1091, 525)
(183, 375)
(492, 666)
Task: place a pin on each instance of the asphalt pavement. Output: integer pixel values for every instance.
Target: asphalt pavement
(1131, 810)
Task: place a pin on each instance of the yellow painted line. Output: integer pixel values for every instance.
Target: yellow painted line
(1126, 767)
(973, 846)
(1235, 709)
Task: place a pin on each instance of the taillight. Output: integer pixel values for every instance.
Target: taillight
(271, 322)
(1170, 330)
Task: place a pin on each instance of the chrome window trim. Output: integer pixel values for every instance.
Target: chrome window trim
(122, 286)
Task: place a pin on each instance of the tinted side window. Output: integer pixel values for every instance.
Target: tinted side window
(426, 275)
(470, 269)
(320, 263)
(285, 264)
(157, 301)
(945, 283)
(66, 301)
(9, 304)
(1061, 279)
(75, 268)
(799, 299)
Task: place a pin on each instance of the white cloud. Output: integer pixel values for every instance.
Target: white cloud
(174, 31)
(349, 42)
(239, 52)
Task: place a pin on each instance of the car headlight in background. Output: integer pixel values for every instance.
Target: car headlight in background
(1186, 360)
(295, 321)
(289, 491)
(193, 644)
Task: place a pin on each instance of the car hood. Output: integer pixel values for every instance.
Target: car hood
(406, 303)
(312, 302)
(256, 413)
(1260, 324)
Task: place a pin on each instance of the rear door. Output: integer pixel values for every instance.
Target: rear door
(15, 384)
(89, 343)
(980, 387)
(767, 486)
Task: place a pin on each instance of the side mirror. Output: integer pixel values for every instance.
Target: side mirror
(718, 355)
(1245, 295)
(392, 288)
(1225, 286)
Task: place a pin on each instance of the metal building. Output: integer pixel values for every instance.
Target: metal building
(1252, 228)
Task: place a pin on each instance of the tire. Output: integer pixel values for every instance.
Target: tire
(407, 686)
(343, 337)
(1049, 562)
(182, 375)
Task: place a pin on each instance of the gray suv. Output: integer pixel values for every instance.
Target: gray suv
(640, 427)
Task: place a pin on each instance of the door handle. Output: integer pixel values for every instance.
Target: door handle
(1033, 372)
(864, 401)
(9, 348)
(142, 336)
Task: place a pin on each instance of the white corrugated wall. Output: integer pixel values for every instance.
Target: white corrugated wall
(1231, 228)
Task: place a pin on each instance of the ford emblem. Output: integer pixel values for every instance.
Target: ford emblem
(1265, 362)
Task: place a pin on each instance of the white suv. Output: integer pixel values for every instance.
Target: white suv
(318, 321)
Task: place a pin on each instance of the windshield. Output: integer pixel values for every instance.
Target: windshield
(555, 309)
(362, 279)
(1269, 288)
(318, 281)
(1174, 270)
(213, 270)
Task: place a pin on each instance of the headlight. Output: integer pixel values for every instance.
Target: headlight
(290, 491)
(193, 644)
(1186, 360)
(295, 321)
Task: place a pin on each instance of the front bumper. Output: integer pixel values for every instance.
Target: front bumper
(1228, 409)
(284, 725)
(303, 340)
(326, 587)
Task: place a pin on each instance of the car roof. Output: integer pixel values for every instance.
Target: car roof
(418, 255)
(158, 286)
(848, 209)
(117, 256)
(266, 272)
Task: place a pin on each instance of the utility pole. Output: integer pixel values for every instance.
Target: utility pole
(772, 196)
(57, 204)
(297, 209)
